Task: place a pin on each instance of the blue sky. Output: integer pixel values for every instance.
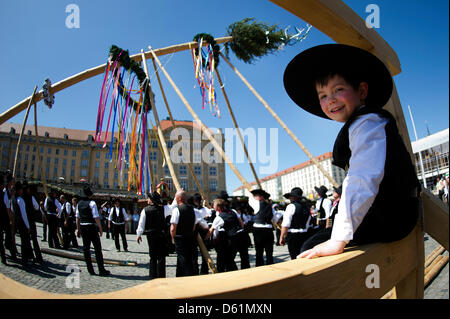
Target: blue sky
(36, 44)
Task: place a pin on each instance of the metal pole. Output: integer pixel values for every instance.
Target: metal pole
(420, 153)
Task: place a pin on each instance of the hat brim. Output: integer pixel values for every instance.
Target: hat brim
(301, 73)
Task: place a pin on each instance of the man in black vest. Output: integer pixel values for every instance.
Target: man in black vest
(4, 219)
(153, 224)
(9, 229)
(296, 219)
(119, 217)
(88, 226)
(51, 205)
(182, 224)
(22, 223)
(32, 208)
(68, 227)
(323, 207)
(262, 227)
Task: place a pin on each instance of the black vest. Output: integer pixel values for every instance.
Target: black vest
(31, 213)
(300, 217)
(321, 213)
(186, 221)
(120, 218)
(51, 206)
(231, 222)
(399, 185)
(17, 213)
(154, 219)
(64, 212)
(211, 218)
(85, 212)
(264, 215)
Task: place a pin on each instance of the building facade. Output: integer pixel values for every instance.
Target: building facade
(71, 156)
(305, 175)
(434, 152)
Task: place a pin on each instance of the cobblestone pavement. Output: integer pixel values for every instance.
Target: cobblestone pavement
(56, 273)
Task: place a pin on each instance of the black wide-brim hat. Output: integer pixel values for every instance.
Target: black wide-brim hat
(296, 192)
(301, 73)
(322, 190)
(260, 192)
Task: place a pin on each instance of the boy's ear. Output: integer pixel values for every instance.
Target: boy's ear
(363, 90)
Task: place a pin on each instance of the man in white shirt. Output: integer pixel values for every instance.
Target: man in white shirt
(323, 207)
(119, 217)
(52, 207)
(68, 226)
(89, 227)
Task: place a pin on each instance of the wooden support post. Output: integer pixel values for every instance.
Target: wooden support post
(203, 249)
(160, 132)
(175, 126)
(23, 129)
(271, 111)
(44, 182)
(237, 128)
(202, 126)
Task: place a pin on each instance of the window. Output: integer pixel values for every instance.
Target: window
(84, 163)
(64, 172)
(197, 145)
(169, 144)
(96, 173)
(48, 160)
(72, 172)
(57, 151)
(56, 161)
(197, 157)
(74, 153)
(26, 157)
(83, 173)
(49, 151)
(65, 152)
(64, 162)
(106, 175)
(184, 184)
(85, 153)
(27, 148)
(153, 156)
(213, 185)
(97, 154)
(212, 171)
(166, 170)
(197, 170)
(55, 171)
(97, 163)
(154, 143)
(183, 171)
(106, 165)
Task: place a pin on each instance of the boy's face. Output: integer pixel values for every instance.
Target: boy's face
(339, 99)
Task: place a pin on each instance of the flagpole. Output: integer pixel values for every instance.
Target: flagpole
(420, 153)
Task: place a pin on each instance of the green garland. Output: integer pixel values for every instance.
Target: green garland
(253, 39)
(210, 40)
(128, 63)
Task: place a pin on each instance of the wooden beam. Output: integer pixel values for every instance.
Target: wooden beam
(89, 73)
(435, 219)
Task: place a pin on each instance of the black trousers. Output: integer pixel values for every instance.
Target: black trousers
(120, 230)
(226, 252)
(34, 240)
(263, 243)
(5, 232)
(68, 233)
(89, 234)
(26, 250)
(240, 243)
(53, 240)
(295, 242)
(185, 247)
(157, 251)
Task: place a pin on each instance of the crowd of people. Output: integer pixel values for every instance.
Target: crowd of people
(442, 187)
(170, 227)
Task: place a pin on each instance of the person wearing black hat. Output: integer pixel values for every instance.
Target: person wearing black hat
(106, 209)
(323, 207)
(9, 227)
(119, 218)
(262, 226)
(52, 207)
(296, 220)
(4, 220)
(23, 225)
(32, 207)
(67, 217)
(152, 223)
(88, 228)
(337, 191)
(351, 86)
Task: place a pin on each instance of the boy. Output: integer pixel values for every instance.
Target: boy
(379, 200)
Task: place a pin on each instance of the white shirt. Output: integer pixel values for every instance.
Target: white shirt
(287, 220)
(327, 204)
(6, 199)
(94, 210)
(218, 223)
(23, 211)
(367, 139)
(116, 210)
(176, 216)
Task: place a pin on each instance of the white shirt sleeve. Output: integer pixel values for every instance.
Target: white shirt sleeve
(169, 208)
(175, 216)
(6, 200)
(125, 215)
(287, 215)
(58, 207)
(111, 211)
(217, 223)
(23, 211)
(141, 226)
(367, 139)
(253, 204)
(35, 203)
(94, 209)
(327, 204)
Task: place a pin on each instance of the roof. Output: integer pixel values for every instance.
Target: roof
(430, 141)
(290, 169)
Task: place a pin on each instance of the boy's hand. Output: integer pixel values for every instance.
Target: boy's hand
(328, 248)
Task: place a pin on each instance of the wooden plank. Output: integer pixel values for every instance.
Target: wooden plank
(339, 276)
(435, 219)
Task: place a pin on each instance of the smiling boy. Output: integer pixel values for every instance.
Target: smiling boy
(379, 201)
